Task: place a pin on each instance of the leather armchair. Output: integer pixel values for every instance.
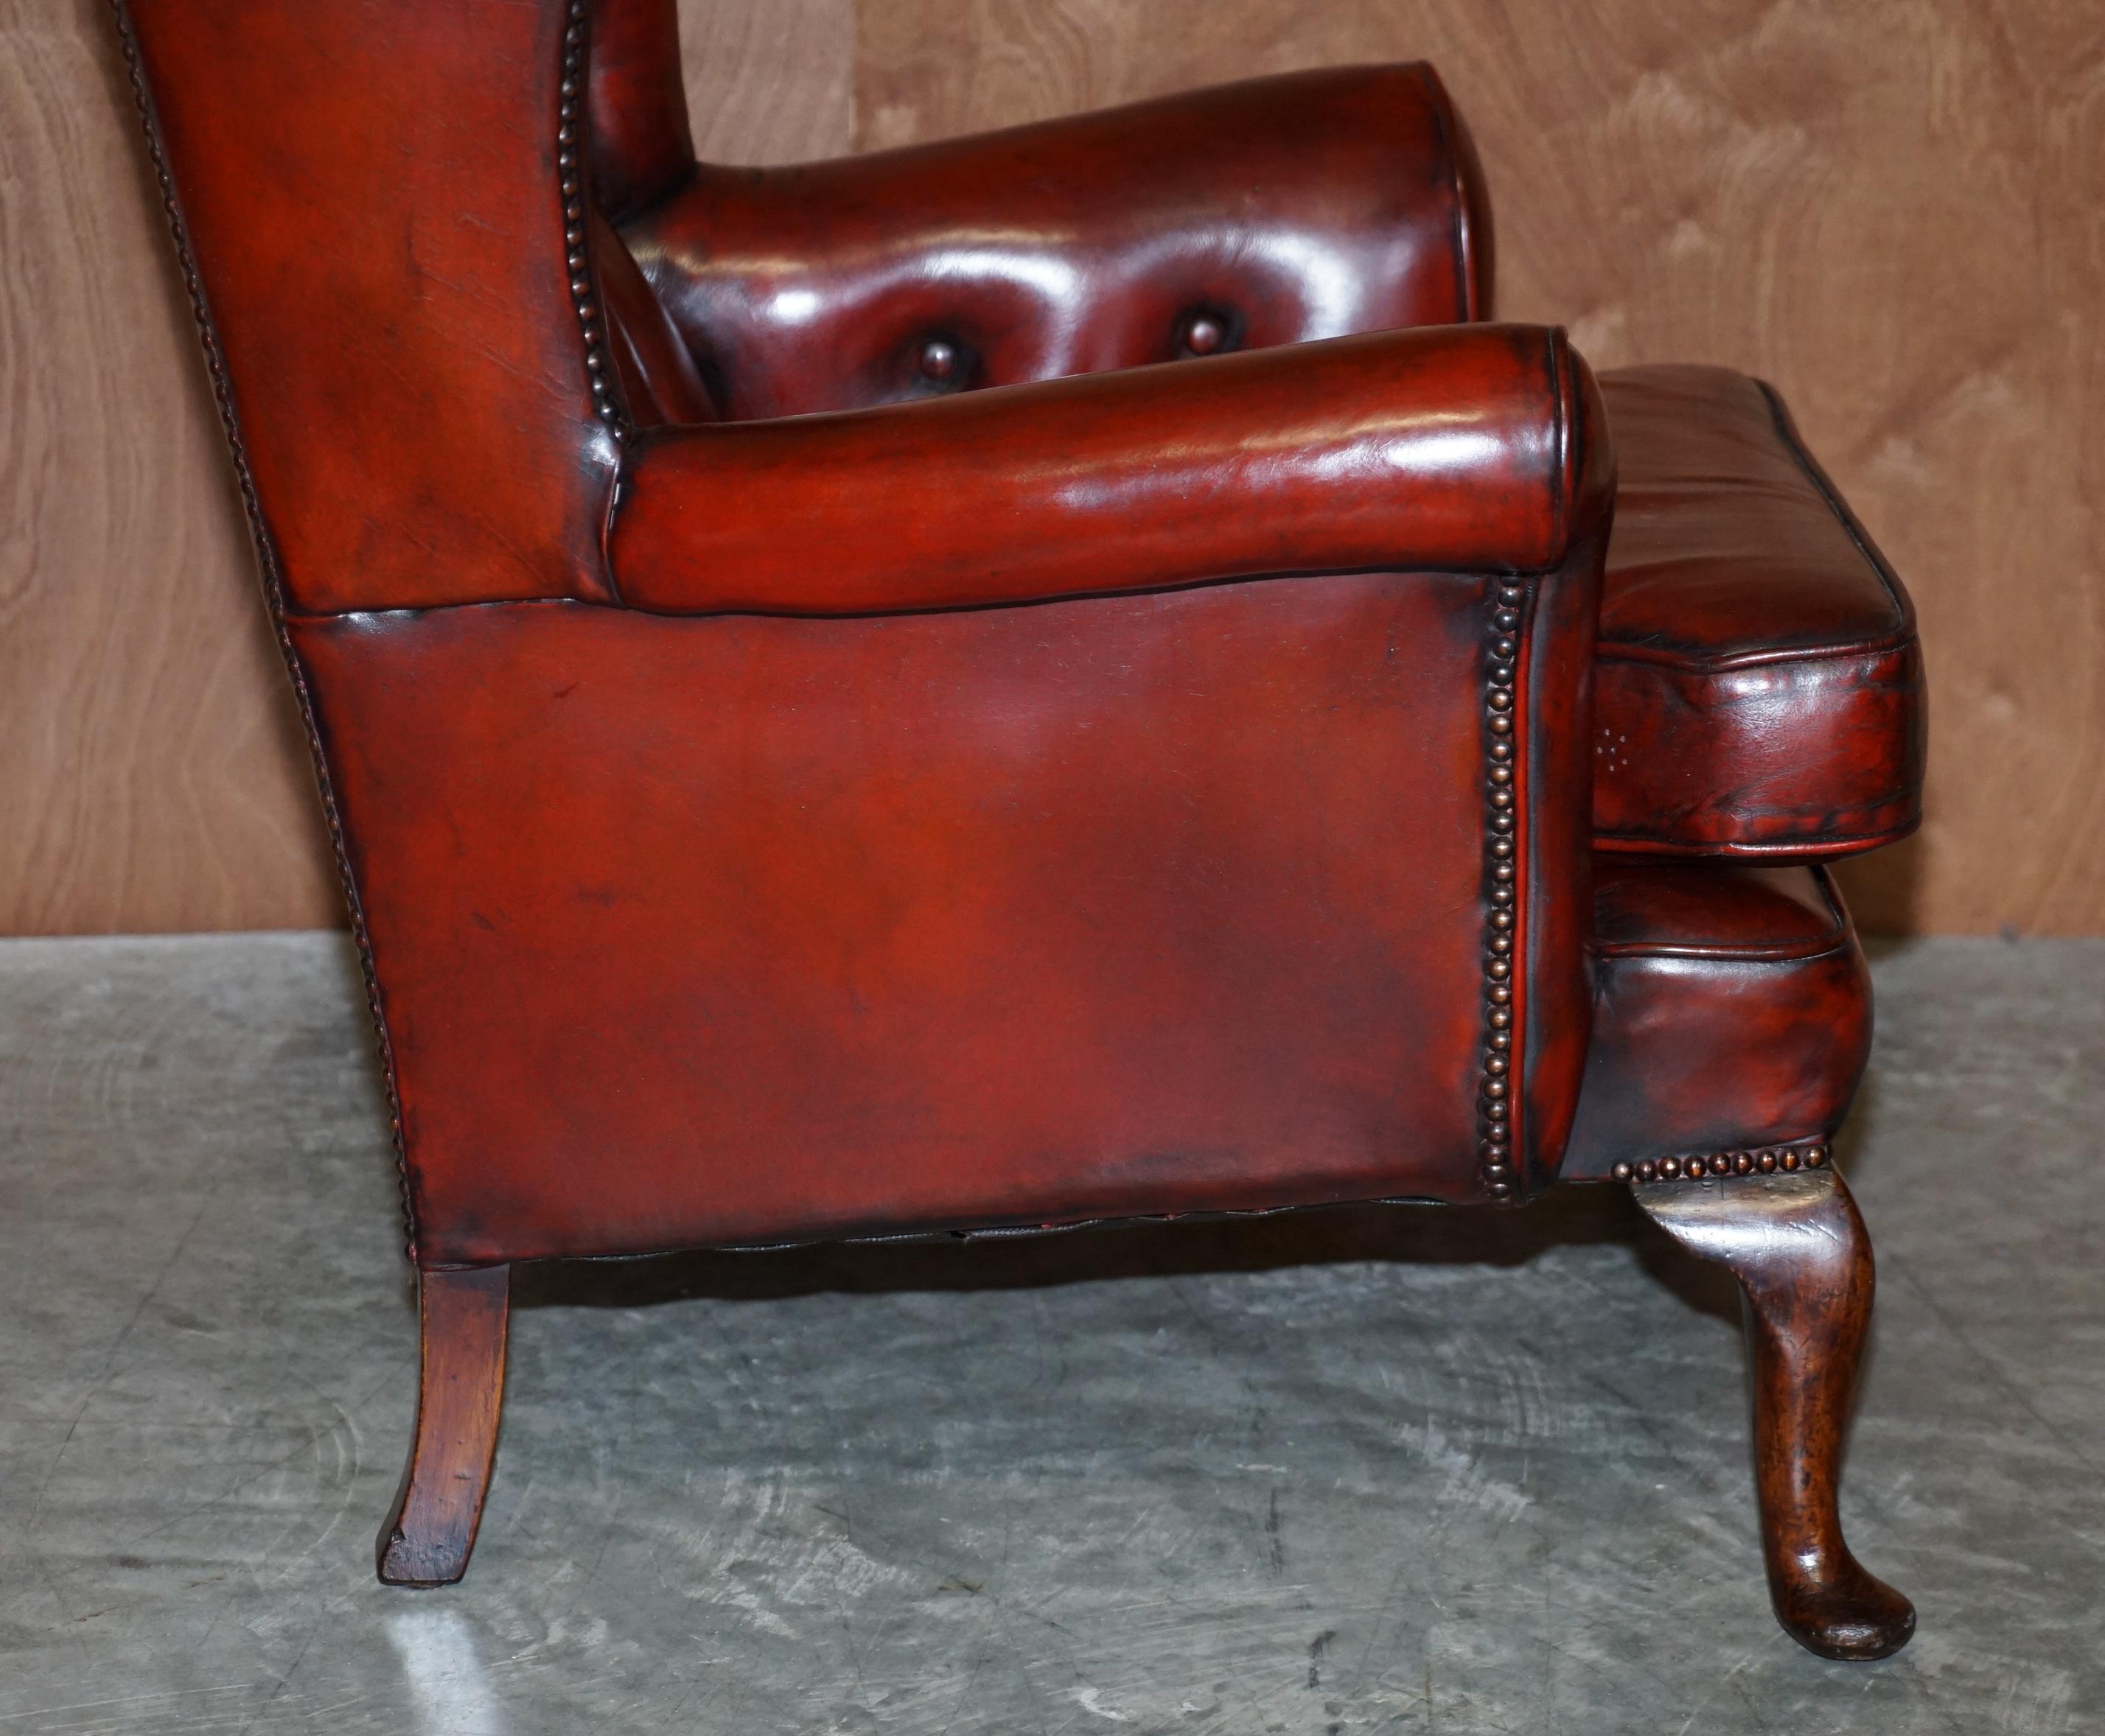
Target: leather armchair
(1060, 676)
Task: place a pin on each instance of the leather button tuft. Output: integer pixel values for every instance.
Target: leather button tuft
(1204, 335)
(1203, 332)
(938, 360)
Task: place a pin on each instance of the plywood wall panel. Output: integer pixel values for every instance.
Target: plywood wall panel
(1895, 209)
(769, 80)
(151, 774)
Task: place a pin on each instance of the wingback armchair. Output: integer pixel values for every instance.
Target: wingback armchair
(1060, 676)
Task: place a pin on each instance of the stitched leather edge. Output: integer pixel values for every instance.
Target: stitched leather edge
(1787, 431)
(1466, 298)
(588, 295)
(1802, 841)
(1625, 651)
(1052, 600)
(1901, 637)
(1817, 946)
(1824, 848)
(273, 593)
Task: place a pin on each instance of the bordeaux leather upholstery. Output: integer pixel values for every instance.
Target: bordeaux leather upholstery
(1420, 449)
(1310, 206)
(754, 928)
(906, 934)
(783, 790)
(416, 429)
(563, 827)
(1731, 1011)
(659, 378)
(1431, 473)
(1760, 688)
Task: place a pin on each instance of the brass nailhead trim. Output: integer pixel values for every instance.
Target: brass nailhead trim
(570, 128)
(273, 593)
(1761, 1160)
(1495, 1096)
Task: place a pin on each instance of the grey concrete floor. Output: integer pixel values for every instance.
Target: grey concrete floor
(1403, 1471)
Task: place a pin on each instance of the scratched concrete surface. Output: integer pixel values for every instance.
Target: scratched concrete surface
(1395, 1471)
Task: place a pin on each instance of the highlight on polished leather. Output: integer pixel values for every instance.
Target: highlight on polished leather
(1038, 678)
(1312, 205)
(1760, 689)
(1731, 1012)
(1748, 623)
(1449, 448)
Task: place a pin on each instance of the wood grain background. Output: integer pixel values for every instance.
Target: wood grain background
(1895, 209)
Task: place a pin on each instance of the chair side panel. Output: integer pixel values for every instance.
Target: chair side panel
(744, 929)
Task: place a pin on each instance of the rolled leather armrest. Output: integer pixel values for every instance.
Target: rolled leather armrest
(1457, 448)
(1279, 210)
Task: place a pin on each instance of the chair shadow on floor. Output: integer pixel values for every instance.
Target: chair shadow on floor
(1581, 1214)
(1429, 1235)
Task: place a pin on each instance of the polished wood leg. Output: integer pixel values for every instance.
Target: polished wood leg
(460, 1392)
(1798, 1249)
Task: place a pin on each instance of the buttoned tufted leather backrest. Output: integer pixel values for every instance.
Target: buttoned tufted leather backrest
(428, 353)
(1162, 231)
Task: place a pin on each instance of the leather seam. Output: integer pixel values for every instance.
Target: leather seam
(1623, 651)
(1494, 574)
(643, 210)
(1836, 939)
(1809, 845)
(1462, 240)
(588, 295)
(1827, 946)
(1722, 954)
(1565, 439)
(1902, 637)
(1809, 468)
(270, 571)
(1508, 965)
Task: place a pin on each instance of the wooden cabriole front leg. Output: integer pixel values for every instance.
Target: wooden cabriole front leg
(1798, 1249)
(461, 1316)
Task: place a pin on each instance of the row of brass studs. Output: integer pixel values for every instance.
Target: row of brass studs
(571, 125)
(1494, 1104)
(274, 591)
(1760, 1160)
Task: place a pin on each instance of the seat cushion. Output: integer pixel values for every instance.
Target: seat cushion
(1732, 1013)
(1759, 689)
